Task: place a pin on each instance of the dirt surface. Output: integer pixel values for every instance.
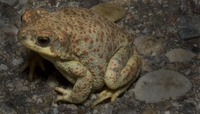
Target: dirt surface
(176, 23)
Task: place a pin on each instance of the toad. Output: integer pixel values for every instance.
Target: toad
(86, 48)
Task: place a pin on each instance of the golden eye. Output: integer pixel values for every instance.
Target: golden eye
(43, 41)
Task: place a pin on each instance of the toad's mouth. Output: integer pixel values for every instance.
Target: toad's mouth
(29, 42)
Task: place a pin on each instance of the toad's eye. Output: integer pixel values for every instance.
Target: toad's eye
(43, 41)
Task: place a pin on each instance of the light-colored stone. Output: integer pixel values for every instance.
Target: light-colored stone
(180, 55)
(52, 81)
(10, 29)
(111, 11)
(3, 67)
(160, 85)
(149, 45)
(17, 61)
(72, 107)
(167, 112)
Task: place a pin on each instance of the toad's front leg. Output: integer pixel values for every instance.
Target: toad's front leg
(80, 76)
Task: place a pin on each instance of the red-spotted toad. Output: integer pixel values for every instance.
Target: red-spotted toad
(86, 48)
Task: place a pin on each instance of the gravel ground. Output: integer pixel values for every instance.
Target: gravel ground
(168, 24)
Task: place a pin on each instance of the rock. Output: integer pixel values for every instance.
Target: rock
(52, 81)
(123, 2)
(167, 112)
(188, 33)
(2, 36)
(163, 106)
(198, 106)
(120, 2)
(111, 11)
(104, 109)
(195, 49)
(180, 55)
(198, 56)
(148, 110)
(17, 61)
(10, 29)
(3, 67)
(52, 2)
(22, 1)
(2, 21)
(9, 2)
(149, 45)
(189, 109)
(126, 111)
(6, 109)
(186, 21)
(34, 108)
(72, 107)
(22, 88)
(161, 84)
(88, 3)
(173, 7)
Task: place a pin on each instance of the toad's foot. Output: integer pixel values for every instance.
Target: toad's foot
(33, 60)
(65, 94)
(110, 93)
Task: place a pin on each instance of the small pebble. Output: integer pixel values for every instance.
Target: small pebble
(3, 67)
(105, 109)
(23, 88)
(2, 21)
(52, 81)
(2, 36)
(55, 111)
(167, 112)
(17, 61)
(72, 107)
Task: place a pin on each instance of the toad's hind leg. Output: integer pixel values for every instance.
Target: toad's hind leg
(122, 70)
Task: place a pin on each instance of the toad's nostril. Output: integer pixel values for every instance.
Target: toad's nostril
(23, 37)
